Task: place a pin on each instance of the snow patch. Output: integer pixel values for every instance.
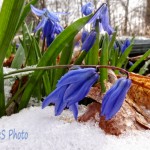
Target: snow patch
(46, 131)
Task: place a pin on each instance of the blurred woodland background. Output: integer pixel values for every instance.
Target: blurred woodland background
(130, 16)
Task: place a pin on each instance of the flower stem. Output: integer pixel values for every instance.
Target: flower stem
(65, 66)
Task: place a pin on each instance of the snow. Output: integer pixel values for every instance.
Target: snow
(1, 1)
(42, 130)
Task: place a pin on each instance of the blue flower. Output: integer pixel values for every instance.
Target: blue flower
(49, 24)
(103, 17)
(87, 8)
(114, 98)
(84, 35)
(71, 89)
(45, 14)
(89, 41)
(125, 45)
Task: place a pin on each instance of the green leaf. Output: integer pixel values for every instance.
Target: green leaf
(19, 58)
(51, 54)
(2, 96)
(111, 44)
(46, 81)
(9, 17)
(139, 61)
(113, 57)
(104, 61)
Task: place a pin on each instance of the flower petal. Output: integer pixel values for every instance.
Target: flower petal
(75, 76)
(40, 25)
(56, 97)
(104, 17)
(84, 35)
(76, 92)
(51, 98)
(120, 100)
(89, 42)
(74, 109)
(48, 28)
(58, 28)
(36, 11)
(52, 16)
(50, 39)
(107, 95)
(97, 13)
(112, 100)
(125, 45)
(62, 13)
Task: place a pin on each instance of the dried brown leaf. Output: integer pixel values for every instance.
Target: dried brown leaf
(140, 90)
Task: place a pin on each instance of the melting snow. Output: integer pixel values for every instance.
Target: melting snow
(41, 130)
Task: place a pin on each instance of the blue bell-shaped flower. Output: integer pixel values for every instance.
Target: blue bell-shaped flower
(114, 98)
(71, 89)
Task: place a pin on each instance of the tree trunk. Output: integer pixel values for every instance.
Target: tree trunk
(126, 17)
(108, 4)
(147, 17)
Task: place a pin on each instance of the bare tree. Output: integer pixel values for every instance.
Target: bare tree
(125, 5)
(42, 3)
(108, 4)
(147, 16)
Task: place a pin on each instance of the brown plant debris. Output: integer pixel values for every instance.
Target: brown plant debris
(18, 84)
(8, 61)
(133, 115)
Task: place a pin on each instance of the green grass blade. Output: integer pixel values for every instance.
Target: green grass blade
(113, 39)
(111, 44)
(80, 58)
(123, 57)
(144, 68)
(139, 61)
(45, 77)
(25, 12)
(30, 52)
(19, 58)
(104, 61)
(65, 59)
(2, 96)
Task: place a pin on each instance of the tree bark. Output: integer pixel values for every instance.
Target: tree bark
(126, 17)
(147, 17)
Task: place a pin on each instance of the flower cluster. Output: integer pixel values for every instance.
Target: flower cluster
(102, 16)
(75, 84)
(49, 24)
(71, 89)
